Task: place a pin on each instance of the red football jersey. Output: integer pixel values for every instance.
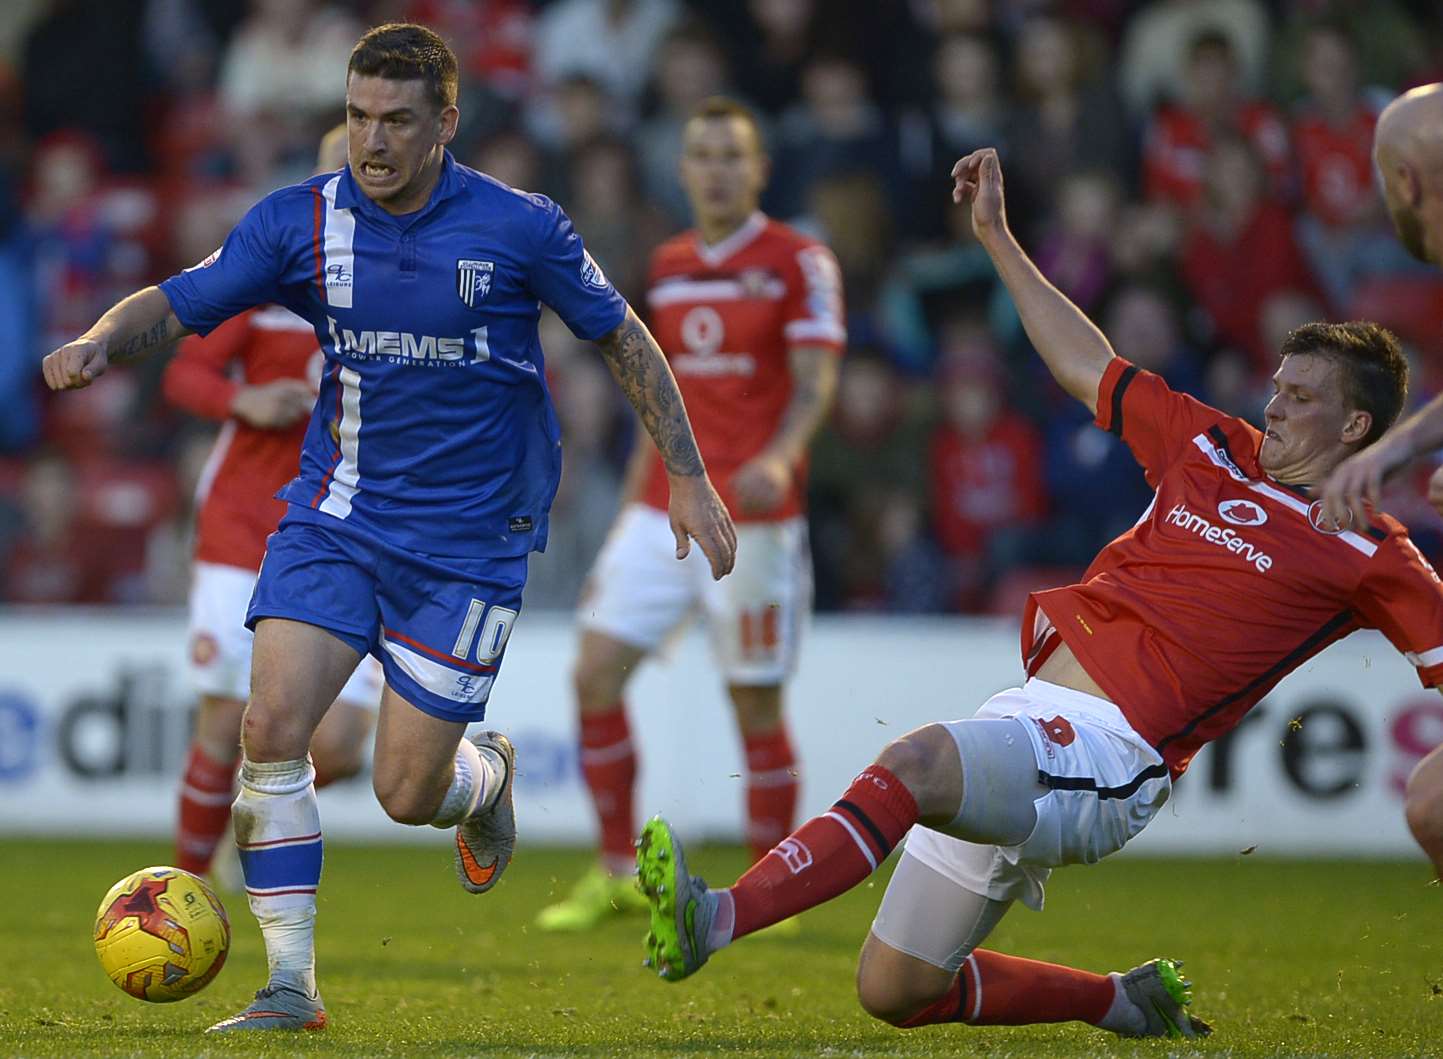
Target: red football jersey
(236, 493)
(1226, 583)
(725, 316)
(1336, 162)
(1177, 142)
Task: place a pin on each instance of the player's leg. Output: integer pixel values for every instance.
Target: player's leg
(1423, 807)
(756, 617)
(314, 614)
(636, 595)
(220, 663)
(338, 747)
(444, 627)
(921, 964)
(207, 786)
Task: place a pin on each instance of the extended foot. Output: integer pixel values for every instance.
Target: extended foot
(486, 839)
(596, 897)
(682, 908)
(279, 1006)
(1163, 995)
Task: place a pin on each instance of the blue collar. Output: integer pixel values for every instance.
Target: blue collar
(448, 184)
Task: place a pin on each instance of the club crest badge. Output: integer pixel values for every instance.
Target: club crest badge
(473, 281)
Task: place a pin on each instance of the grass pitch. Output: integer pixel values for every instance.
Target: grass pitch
(1290, 958)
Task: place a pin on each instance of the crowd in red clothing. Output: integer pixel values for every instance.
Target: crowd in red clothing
(1196, 175)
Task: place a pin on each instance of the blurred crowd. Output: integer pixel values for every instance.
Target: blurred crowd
(1195, 174)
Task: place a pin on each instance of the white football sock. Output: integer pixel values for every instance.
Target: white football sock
(278, 836)
(1123, 1017)
(475, 783)
(719, 935)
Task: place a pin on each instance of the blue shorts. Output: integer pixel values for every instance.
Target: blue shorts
(439, 625)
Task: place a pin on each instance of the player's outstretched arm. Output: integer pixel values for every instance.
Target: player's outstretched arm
(645, 377)
(1357, 481)
(1075, 351)
(135, 327)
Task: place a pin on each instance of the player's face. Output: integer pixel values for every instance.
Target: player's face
(394, 138)
(722, 168)
(1305, 421)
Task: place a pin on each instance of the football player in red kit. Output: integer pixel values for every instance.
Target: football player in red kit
(749, 313)
(256, 373)
(1226, 583)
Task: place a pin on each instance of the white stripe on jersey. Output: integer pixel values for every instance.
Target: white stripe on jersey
(1424, 659)
(340, 257)
(1221, 459)
(346, 478)
(438, 679)
(814, 330)
(673, 291)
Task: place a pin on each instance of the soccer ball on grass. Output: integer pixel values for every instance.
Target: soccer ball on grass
(161, 934)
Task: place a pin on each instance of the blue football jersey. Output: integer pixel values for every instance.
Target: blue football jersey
(433, 428)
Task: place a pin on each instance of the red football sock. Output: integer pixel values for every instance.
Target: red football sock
(608, 762)
(827, 855)
(206, 791)
(993, 989)
(771, 790)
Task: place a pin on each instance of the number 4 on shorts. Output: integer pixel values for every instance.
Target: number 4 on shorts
(494, 633)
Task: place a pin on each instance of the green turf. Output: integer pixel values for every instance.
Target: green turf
(1316, 958)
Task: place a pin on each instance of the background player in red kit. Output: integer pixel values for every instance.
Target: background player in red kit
(749, 313)
(1227, 582)
(258, 374)
(1408, 151)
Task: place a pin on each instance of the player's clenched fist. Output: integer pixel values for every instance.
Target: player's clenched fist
(74, 365)
(697, 513)
(977, 179)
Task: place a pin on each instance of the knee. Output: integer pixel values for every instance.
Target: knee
(598, 682)
(1423, 809)
(272, 734)
(404, 800)
(894, 998)
(758, 707)
(925, 760)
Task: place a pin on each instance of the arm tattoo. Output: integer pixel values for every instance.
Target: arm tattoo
(137, 345)
(641, 370)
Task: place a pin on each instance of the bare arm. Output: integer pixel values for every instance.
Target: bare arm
(762, 483)
(1075, 351)
(1356, 484)
(135, 327)
(641, 369)
(637, 465)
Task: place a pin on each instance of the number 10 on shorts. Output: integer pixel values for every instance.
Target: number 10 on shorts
(494, 632)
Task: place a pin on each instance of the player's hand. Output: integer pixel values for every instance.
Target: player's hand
(762, 484)
(697, 513)
(74, 365)
(977, 181)
(273, 405)
(1354, 486)
(1435, 490)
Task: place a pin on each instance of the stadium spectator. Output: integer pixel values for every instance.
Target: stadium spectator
(1155, 53)
(1343, 230)
(986, 488)
(1180, 134)
(605, 201)
(1074, 252)
(770, 42)
(611, 42)
(1239, 250)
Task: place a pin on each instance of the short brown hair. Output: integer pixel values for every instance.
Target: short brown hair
(1374, 370)
(725, 107)
(404, 51)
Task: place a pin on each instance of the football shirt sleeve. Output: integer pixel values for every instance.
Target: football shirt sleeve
(564, 276)
(813, 314)
(242, 274)
(1155, 421)
(1400, 596)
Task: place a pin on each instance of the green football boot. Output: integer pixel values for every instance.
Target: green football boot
(595, 898)
(682, 908)
(1163, 995)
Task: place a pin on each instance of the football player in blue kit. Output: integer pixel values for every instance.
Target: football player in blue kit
(430, 463)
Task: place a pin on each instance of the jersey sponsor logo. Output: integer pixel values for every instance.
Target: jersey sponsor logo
(702, 332)
(1242, 512)
(1321, 522)
(473, 280)
(1221, 537)
(338, 277)
(404, 347)
(591, 273)
(1059, 730)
